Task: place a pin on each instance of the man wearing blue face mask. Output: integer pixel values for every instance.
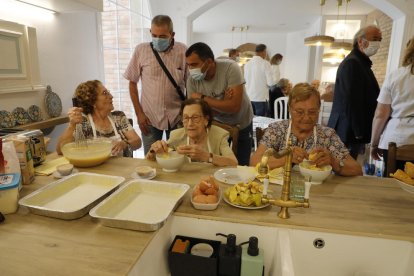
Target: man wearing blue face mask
(158, 107)
(356, 92)
(221, 84)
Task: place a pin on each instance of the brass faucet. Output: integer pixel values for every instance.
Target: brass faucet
(284, 202)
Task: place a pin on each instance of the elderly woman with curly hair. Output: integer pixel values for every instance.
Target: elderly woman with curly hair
(94, 112)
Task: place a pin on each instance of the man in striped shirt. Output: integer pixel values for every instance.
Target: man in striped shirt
(158, 106)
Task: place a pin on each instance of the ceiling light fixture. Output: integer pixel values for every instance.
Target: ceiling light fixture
(21, 10)
(342, 47)
(37, 6)
(319, 40)
(333, 58)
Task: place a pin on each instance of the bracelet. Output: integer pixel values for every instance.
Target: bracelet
(374, 146)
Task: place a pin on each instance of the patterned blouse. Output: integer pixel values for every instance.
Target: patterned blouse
(122, 125)
(275, 138)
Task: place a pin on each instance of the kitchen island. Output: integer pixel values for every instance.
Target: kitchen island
(37, 245)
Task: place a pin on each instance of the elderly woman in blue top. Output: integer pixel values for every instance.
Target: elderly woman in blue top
(306, 136)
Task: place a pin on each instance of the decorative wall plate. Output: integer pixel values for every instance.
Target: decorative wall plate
(7, 119)
(53, 103)
(35, 113)
(21, 116)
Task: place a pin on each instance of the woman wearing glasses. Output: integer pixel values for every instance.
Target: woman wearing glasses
(306, 136)
(94, 112)
(198, 139)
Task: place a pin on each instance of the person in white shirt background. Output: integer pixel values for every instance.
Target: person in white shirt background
(259, 78)
(275, 62)
(394, 116)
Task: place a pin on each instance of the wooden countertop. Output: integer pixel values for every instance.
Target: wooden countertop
(355, 205)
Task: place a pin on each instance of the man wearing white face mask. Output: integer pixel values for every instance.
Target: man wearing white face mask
(220, 83)
(158, 107)
(356, 91)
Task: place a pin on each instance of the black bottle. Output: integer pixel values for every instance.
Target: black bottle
(229, 257)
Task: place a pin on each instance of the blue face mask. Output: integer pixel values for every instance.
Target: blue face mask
(160, 44)
(197, 75)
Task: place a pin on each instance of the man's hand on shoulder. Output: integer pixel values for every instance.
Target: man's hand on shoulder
(196, 95)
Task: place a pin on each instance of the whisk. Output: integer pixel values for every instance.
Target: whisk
(80, 140)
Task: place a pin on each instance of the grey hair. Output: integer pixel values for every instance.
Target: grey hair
(283, 83)
(163, 20)
(362, 34)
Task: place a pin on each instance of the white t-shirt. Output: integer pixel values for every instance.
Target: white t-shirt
(259, 78)
(398, 91)
(276, 72)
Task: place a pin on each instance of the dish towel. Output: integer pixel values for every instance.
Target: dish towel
(48, 167)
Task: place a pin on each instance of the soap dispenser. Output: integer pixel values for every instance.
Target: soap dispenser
(229, 257)
(252, 259)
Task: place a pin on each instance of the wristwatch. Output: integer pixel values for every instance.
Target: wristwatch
(210, 158)
(202, 97)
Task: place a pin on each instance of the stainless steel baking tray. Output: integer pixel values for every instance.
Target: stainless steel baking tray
(71, 197)
(142, 205)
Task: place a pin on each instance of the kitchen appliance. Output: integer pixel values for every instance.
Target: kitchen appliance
(37, 142)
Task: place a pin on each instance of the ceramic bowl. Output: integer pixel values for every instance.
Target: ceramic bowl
(171, 161)
(65, 169)
(317, 176)
(206, 206)
(144, 171)
(96, 152)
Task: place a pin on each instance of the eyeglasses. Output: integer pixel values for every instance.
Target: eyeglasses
(301, 113)
(106, 93)
(194, 119)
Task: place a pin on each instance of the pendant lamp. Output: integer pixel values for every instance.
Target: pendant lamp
(319, 40)
(342, 47)
(333, 57)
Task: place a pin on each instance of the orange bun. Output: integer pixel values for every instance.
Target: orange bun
(204, 186)
(211, 191)
(197, 191)
(213, 182)
(212, 199)
(200, 199)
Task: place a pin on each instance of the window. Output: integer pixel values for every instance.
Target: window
(125, 23)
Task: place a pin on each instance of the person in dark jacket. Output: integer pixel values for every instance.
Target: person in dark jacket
(356, 91)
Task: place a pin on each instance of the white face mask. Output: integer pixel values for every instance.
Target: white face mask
(372, 48)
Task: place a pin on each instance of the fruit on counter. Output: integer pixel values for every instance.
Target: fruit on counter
(245, 194)
(206, 191)
(409, 169)
(312, 156)
(311, 166)
(403, 176)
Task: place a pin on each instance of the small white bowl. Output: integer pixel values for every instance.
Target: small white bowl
(65, 169)
(171, 161)
(206, 206)
(317, 177)
(144, 171)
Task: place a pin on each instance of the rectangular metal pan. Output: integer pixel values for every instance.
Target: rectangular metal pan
(71, 197)
(142, 205)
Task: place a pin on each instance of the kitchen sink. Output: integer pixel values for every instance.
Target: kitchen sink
(288, 252)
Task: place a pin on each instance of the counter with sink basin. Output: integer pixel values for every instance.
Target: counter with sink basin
(354, 216)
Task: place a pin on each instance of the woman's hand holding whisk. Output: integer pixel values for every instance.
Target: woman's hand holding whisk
(75, 115)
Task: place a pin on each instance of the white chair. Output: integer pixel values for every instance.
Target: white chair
(324, 113)
(281, 108)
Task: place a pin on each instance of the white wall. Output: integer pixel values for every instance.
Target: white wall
(69, 53)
